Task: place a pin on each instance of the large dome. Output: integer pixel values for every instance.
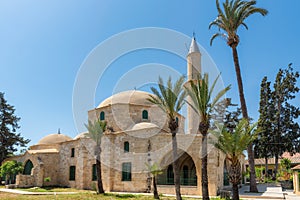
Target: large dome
(54, 138)
(135, 97)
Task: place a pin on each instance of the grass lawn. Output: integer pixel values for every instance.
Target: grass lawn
(79, 196)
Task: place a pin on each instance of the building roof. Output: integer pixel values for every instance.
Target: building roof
(81, 135)
(194, 46)
(136, 97)
(297, 167)
(43, 151)
(295, 159)
(144, 125)
(54, 138)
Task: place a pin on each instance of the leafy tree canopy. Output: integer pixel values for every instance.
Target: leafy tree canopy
(10, 139)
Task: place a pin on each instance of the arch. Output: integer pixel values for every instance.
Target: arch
(187, 168)
(145, 114)
(28, 167)
(102, 115)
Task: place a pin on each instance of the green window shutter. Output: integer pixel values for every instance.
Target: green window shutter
(94, 172)
(28, 167)
(72, 173)
(126, 147)
(126, 171)
(102, 116)
(145, 114)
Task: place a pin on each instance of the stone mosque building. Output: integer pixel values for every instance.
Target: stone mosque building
(138, 134)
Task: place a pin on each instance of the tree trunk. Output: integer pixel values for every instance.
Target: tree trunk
(204, 177)
(253, 186)
(235, 176)
(175, 167)
(266, 169)
(276, 167)
(235, 192)
(98, 169)
(155, 193)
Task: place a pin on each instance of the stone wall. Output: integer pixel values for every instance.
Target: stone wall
(25, 181)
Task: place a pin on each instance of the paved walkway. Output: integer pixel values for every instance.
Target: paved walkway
(33, 193)
(266, 191)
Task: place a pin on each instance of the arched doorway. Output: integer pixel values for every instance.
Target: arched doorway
(28, 167)
(186, 166)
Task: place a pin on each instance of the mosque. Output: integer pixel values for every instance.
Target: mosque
(137, 134)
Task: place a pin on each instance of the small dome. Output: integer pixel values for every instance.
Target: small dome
(144, 125)
(81, 135)
(136, 97)
(54, 138)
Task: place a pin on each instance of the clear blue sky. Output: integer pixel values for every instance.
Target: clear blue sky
(44, 43)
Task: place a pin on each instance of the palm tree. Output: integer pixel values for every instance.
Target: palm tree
(203, 104)
(154, 170)
(170, 98)
(96, 131)
(232, 144)
(233, 15)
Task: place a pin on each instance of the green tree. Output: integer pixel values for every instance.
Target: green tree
(203, 104)
(9, 138)
(9, 169)
(233, 15)
(285, 129)
(232, 144)
(170, 98)
(95, 131)
(263, 145)
(155, 171)
(285, 166)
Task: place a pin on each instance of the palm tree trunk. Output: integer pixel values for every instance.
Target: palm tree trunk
(266, 169)
(155, 193)
(235, 178)
(204, 178)
(175, 167)
(98, 168)
(253, 186)
(235, 192)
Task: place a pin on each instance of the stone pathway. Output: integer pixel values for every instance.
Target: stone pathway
(33, 193)
(266, 191)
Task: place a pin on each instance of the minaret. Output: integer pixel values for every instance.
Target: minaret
(193, 70)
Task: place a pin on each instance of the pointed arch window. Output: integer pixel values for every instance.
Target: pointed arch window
(145, 114)
(28, 167)
(102, 115)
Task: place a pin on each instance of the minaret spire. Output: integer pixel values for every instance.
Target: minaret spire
(193, 71)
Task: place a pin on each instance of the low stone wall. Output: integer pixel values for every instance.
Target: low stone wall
(24, 181)
(184, 190)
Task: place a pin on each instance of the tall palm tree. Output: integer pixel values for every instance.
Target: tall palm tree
(233, 15)
(203, 103)
(232, 144)
(170, 98)
(96, 131)
(154, 170)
